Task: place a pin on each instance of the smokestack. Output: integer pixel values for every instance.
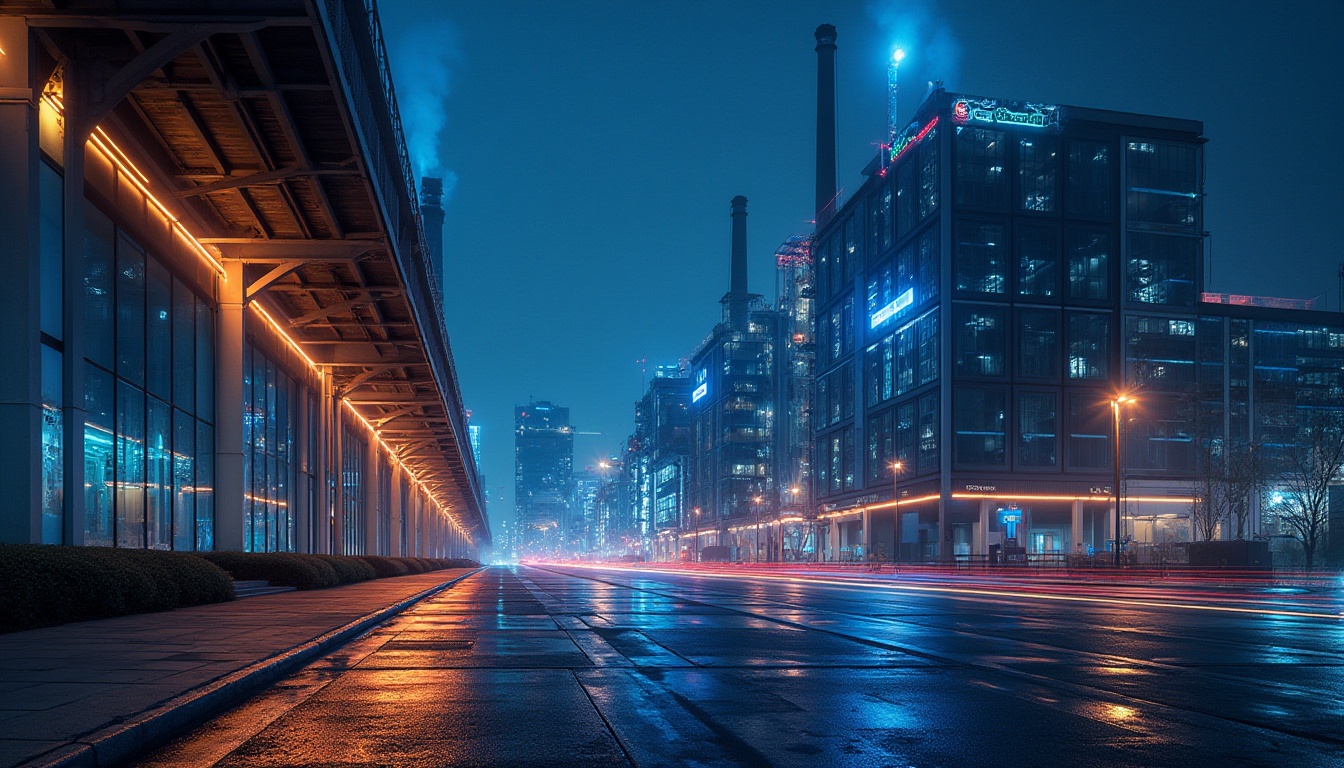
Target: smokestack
(826, 189)
(431, 211)
(738, 299)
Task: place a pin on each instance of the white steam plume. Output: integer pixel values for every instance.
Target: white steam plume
(930, 45)
(423, 49)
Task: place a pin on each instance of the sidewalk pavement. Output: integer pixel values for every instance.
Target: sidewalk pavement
(94, 692)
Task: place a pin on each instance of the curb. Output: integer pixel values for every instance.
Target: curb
(113, 744)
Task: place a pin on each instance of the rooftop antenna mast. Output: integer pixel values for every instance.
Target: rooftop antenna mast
(893, 120)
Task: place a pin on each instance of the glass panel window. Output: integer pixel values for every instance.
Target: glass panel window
(1038, 351)
(205, 486)
(1088, 190)
(980, 420)
(184, 347)
(100, 272)
(880, 210)
(907, 198)
(982, 257)
(53, 455)
(928, 175)
(1090, 427)
(1162, 268)
(184, 481)
(159, 329)
(130, 466)
(928, 433)
(1161, 353)
(51, 244)
(1036, 168)
(1038, 261)
(981, 179)
(1089, 275)
(905, 433)
(981, 341)
(205, 362)
(1089, 346)
(926, 288)
(1162, 185)
(1036, 432)
(159, 476)
(99, 457)
(130, 311)
(879, 446)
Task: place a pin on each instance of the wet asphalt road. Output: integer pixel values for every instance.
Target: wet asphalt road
(584, 667)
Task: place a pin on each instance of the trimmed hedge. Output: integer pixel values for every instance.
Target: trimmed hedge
(349, 570)
(282, 569)
(43, 585)
(386, 566)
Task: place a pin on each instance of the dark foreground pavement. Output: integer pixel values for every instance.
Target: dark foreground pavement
(593, 667)
(92, 692)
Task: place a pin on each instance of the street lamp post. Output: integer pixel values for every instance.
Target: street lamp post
(793, 502)
(1116, 403)
(697, 535)
(896, 467)
(756, 500)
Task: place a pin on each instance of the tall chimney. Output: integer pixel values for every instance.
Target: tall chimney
(738, 299)
(431, 211)
(826, 189)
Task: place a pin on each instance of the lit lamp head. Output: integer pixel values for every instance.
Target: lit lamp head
(897, 466)
(896, 56)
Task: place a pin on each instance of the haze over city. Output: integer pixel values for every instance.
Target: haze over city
(596, 145)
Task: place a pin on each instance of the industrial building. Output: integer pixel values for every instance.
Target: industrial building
(223, 321)
(735, 384)
(1016, 286)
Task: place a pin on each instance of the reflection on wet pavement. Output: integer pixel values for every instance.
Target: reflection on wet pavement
(534, 666)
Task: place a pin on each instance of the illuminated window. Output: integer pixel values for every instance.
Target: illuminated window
(1088, 188)
(1089, 254)
(1037, 436)
(981, 339)
(1161, 269)
(1038, 261)
(980, 419)
(1036, 167)
(981, 181)
(1089, 346)
(1038, 350)
(1162, 187)
(982, 257)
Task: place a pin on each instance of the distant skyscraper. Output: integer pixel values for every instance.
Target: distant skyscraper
(543, 474)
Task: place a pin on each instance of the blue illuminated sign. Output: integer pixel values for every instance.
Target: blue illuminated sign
(891, 310)
(699, 393)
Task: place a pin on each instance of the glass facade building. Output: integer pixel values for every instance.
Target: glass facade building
(1000, 274)
(186, 369)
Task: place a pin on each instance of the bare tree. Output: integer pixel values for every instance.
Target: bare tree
(1311, 467)
(1209, 503)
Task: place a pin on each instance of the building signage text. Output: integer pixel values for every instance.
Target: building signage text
(891, 310)
(991, 111)
(909, 138)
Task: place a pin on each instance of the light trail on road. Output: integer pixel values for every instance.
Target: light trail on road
(984, 592)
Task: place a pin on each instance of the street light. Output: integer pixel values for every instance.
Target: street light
(793, 502)
(896, 468)
(757, 501)
(697, 535)
(1116, 403)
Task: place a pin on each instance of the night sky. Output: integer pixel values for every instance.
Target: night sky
(595, 147)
